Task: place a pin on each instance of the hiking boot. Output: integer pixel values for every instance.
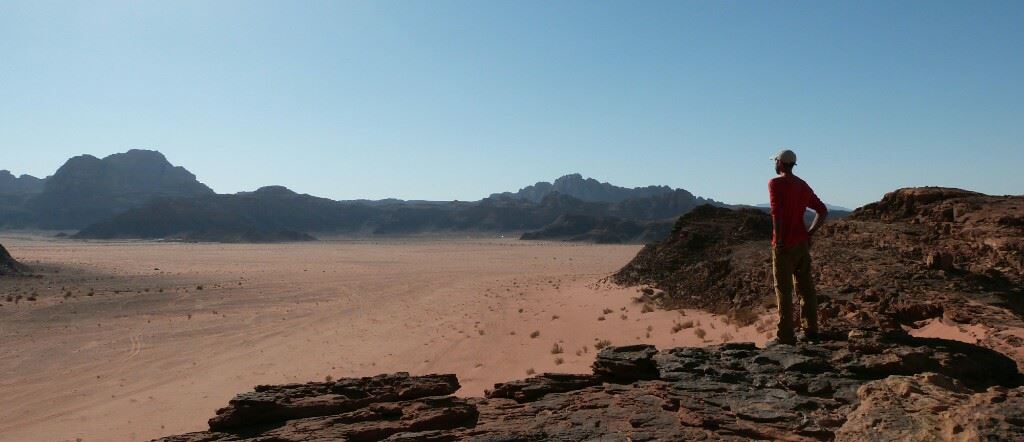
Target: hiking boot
(811, 338)
(778, 341)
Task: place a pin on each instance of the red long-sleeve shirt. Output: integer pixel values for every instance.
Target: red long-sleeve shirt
(790, 197)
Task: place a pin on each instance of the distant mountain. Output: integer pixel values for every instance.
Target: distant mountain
(139, 194)
(23, 185)
(634, 220)
(87, 189)
(14, 193)
(585, 189)
(274, 212)
(269, 213)
(277, 209)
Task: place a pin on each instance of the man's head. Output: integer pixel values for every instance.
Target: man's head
(784, 161)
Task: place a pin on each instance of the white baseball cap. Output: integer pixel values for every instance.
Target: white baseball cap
(786, 156)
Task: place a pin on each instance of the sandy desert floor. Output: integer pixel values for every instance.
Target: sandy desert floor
(134, 340)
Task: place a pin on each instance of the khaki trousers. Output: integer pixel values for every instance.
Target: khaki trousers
(793, 265)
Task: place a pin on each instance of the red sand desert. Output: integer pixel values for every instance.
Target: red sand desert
(122, 345)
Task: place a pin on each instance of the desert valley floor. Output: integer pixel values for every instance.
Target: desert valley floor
(135, 340)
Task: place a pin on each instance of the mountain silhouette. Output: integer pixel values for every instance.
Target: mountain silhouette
(140, 194)
(585, 189)
(87, 189)
(22, 185)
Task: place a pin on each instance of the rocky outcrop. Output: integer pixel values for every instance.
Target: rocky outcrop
(715, 258)
(269, 404)
(9, 265)
(966, 231)
(932, 406)
(918, 254)
(833, 390)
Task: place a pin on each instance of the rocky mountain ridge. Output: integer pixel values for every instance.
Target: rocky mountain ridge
(21, 185)
(586, 189)
(278, 209)
(87, 189)
(139, 194)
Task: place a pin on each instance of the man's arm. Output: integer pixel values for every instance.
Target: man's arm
(820, 213)
(776, 222)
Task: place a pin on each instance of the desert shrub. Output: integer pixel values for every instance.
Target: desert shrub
(679, 326)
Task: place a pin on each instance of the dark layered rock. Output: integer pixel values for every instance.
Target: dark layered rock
(9, 265)
(526, 390)
(268, 404)
(833, 390)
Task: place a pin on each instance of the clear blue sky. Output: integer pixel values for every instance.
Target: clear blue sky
(455, 100)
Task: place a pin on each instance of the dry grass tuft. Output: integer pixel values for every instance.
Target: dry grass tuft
(556, 349)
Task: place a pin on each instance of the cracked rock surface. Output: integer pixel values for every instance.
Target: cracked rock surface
(843, 388)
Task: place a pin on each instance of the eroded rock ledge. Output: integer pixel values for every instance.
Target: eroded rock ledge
(861, 385)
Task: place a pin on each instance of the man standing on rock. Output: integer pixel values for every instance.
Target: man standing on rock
(790, 198)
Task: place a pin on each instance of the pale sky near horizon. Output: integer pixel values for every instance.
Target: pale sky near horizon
(450, 100)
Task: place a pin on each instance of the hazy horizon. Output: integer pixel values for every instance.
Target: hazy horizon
(457, 100)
